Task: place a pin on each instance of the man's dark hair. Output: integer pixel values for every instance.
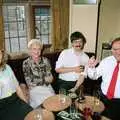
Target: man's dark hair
(77, 35)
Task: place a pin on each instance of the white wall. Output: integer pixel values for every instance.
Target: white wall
(109, 23)
(84, 19)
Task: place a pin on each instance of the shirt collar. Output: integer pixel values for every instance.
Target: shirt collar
(34, 61)
(73, 51)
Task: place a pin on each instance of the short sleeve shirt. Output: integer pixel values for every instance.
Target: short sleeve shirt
(8, 82)
(68, 58)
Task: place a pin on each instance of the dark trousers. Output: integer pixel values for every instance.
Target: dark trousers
(13, 108)
(112, 107)
(64, 84)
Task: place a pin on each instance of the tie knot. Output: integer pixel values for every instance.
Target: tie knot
(118, 62)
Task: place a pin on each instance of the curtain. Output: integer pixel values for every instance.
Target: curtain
(60, 15)
(1, 29)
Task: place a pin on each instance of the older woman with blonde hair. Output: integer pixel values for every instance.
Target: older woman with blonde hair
(37, 72)
(13, 104)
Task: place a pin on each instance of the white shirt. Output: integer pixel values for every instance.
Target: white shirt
(8, 82)
(68, 58)
(105, 69)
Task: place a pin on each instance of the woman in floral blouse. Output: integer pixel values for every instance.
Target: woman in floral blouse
(37, 72)
(13, 104)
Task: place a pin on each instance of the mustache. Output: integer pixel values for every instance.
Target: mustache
(78, 46)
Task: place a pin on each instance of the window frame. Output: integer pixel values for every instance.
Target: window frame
(26, 22)
(30, 33)
(33, 9)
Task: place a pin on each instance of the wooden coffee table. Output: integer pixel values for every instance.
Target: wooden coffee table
(54, 103)
(91, 102)
(46, 115)
(104, 118)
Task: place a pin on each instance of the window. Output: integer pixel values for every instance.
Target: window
(84, 1)
(15, 28)
(43, 24)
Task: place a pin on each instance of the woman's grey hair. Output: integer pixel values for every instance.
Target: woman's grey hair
(35, 41)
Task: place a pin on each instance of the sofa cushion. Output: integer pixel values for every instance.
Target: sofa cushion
(16, 65)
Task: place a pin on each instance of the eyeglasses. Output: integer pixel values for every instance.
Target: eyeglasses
(78, 41)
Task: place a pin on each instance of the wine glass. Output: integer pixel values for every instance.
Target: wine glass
(38, 114)
(74, 114)
(96, 96)
(62, 95)
(81, 97)
(72, 111)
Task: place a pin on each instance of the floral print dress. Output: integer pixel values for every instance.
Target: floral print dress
(35, 74)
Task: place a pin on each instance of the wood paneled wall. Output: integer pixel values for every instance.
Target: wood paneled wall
(60, 20)
(60, 13)
(1, 29)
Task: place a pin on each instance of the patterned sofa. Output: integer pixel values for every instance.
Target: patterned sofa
(16, 65)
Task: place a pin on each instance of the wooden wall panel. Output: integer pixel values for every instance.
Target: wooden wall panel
(60, 12)
(1, 29)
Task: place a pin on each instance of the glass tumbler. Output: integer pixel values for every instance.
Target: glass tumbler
(38, 114)
(62, 95)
